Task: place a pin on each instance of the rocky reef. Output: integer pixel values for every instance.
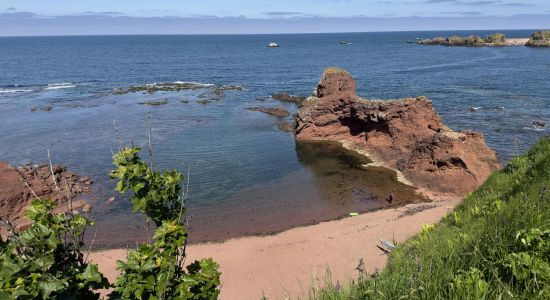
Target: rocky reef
(406, 135)
(20, 186)
(175, 87)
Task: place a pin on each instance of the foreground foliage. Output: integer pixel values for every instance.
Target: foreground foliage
(155, 271)
(495, 245)
(45, 261)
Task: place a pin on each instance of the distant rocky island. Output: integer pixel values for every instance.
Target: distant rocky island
(406, 135)
(538, 39)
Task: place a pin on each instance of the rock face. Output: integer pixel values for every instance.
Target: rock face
(406, 135)
(15, 195)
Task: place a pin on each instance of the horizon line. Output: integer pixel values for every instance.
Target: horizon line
(256, 34)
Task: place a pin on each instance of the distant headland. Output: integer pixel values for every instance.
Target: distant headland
(537, 39)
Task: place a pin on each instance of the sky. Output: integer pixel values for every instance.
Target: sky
(69, 17)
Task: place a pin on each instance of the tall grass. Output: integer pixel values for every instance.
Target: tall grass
(495, 245)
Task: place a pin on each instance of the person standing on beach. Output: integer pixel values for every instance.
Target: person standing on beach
(389, 199)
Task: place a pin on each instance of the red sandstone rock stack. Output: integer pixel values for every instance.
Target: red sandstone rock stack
(406, 135)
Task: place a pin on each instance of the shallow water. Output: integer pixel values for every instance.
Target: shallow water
(247, 177)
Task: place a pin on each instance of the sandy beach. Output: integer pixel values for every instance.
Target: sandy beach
(516, 42)
(284, 266)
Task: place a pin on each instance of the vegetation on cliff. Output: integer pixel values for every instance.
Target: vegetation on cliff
(539, 39)
(495, 245)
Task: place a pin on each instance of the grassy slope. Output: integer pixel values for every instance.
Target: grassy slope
(496, 244)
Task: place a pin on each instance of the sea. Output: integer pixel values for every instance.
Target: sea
(82, 98)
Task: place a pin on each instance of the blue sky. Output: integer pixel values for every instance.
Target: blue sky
(59, 17)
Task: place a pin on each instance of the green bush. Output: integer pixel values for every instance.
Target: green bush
(155, 194)
(155, 271)
(541, 35)
(474, 41)
(539, 39)
(456, 41)
(45, 262)
(494, 245)
(497, 39)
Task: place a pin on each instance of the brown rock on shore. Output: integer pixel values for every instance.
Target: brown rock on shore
(15, 195)
(406, 135)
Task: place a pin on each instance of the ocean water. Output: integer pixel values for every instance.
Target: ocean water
(246, 176)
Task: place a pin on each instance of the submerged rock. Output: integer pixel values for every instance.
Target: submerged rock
(154, 102)
(19, 187)
(287, 126)
(286, 97)
(273, 111)
(204, 101)
(406, 135)
(174, 87)
(44, 108)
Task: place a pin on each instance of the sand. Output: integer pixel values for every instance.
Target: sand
(285, 265)
(516, 42)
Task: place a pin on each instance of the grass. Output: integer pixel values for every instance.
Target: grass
(495, 245)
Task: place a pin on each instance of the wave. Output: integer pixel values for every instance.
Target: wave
(197, 84)
(57, 86)
(14, 91)
(538, 129)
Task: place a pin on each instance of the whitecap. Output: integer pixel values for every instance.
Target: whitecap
(197, 84)
(13, 91)
(63, 85)
(538, 129)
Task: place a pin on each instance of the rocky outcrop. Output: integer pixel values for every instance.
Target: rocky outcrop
(406, 135)
(493, 40)
(19, 187)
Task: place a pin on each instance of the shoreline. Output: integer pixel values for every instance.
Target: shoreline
(263, 263)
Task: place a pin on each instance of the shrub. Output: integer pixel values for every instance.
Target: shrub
(155, 271)
(497, 39)
(155, 194)
(474, 41)
(456, 41)
(45, 262)
(539, 39)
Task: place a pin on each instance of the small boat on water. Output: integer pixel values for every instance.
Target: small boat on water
(273, 45)
(345, 43)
